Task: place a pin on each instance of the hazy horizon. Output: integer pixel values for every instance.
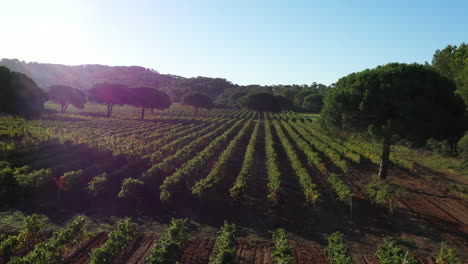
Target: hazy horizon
(246, 42)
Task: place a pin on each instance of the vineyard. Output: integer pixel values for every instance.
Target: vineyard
(256, 171)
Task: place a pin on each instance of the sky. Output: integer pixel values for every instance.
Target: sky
(245, 41)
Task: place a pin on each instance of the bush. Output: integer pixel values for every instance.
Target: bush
(390, 253)
(463, 145)
(167, 249)
(446, 255)
(282, 253)
(224, 250)
(336, 251)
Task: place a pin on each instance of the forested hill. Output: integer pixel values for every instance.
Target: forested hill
(85, 76)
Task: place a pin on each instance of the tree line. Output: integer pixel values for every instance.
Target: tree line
(20, 96)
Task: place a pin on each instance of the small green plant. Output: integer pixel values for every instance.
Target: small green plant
(336, 251)
(282, 253)
(118, 240)
(224, 250)
(384, 194)
(167, 249)
(390, 253)
(446, 255)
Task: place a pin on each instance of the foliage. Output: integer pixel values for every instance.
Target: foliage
(117, 241)
(29, 179)
(340, 188)
(197, 100)
(85, 76)
(313, 103)
(390, 253)
(197, 163)
(168, 247)
(389, 99)
(219, 169)
(309, 189)
(282, 253)
(147, 97)
(452, 62)
(463, 145)
(442, 147)
(224, 251)
(284, 103)
(272, 164)
(336, 251)
(446, 255)
(129, 187)
(111, 94)
(24, 239)
(19, 95)
(70, 178)
(383, 193)
(66, 95)
(50, 251)
(97, 184)
(262, 101)
(238, 190)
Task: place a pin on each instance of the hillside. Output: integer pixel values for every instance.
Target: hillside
(85, 76)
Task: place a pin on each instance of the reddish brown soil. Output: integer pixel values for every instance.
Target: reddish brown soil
(198, 251)
(81, 254)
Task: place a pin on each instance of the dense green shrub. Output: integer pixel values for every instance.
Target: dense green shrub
(390, 253)
(446, 255)
(282, 253)
(336, 251)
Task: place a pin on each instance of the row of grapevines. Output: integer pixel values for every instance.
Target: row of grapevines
(171, 163)
(312, 156)
(373, 154)
(168, 247)
(239, 188)
(153, 146)
(193, 166)
(272, 164)
(342, 190)
(331, 154)
(336, 251)
(282, 253)
(344, 193)
(51, 250)
(219, 169)
(117, 241)
(179, 142)
(24, 239)
(308, 187)
(224, 251)
(346, 152)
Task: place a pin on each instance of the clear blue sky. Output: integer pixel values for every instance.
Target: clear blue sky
(264, 42)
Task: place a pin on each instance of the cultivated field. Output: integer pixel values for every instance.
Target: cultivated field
(260, 171)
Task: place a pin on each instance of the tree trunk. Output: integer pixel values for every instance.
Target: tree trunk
(152, 110)
(196, 110)
(385, 157)
(142, 113)
(63, 107)
(109, 110)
